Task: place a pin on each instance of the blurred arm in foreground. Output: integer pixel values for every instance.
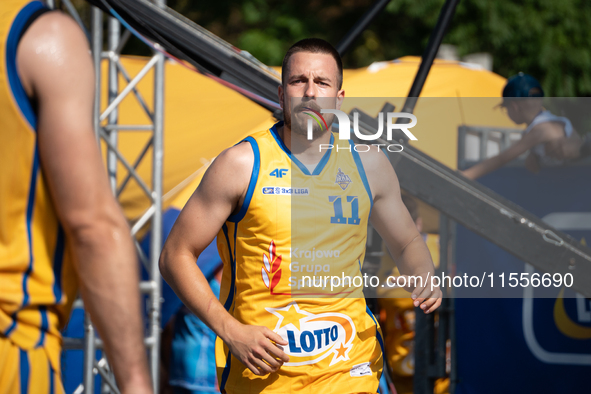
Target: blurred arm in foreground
(56, 70)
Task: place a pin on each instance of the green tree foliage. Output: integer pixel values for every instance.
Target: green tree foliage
(546, 38)
(550, 39)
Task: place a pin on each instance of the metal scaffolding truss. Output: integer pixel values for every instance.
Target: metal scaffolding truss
(108, 130)
(476, 143)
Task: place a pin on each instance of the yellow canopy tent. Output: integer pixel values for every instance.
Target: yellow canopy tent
(454, 94)
(455, 83)
(201, 118)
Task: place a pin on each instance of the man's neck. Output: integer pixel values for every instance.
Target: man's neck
(306, 151)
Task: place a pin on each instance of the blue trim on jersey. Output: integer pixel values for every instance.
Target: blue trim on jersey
(24, 104)
(379, 336)
(30, 204)
(235, 268)
(51, 380)
(226, 372)
(278, 139)
(361, 171)
(20, 96)
(286, 150)
(12, 325)
(300, 165)
(321, 164)
(44, 325)
(58, 257)
(254, 176)
(24, 371)
(230, 298)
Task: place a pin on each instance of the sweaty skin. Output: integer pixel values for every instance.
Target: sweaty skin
(312, 76)
(56, 70)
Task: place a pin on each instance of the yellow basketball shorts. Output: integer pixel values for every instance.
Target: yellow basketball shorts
(26, 371)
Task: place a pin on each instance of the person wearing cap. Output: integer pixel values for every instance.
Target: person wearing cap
(522, 99)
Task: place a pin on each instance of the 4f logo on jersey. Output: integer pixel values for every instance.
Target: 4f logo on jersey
(343, 179)
(313, 337)
(279, 172)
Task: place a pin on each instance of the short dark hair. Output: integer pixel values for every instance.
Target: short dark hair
(312, 45)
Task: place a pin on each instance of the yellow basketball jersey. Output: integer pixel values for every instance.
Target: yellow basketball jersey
(37, 283)
(296, 227)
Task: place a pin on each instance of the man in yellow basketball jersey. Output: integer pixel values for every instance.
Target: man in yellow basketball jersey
(280, 208)
(59, 222)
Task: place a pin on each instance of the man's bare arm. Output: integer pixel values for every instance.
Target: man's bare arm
(396, 227)
(539, 134)
(56, 68)
(220, 193)
(566, 148)
(489, 165)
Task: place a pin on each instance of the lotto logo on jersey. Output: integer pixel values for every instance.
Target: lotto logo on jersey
(314, 337)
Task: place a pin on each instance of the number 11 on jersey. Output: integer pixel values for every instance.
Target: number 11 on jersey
(338, 217)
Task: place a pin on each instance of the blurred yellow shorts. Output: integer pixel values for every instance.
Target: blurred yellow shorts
(26, 371)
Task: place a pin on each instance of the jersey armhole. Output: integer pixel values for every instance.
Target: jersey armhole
(32, 18)
(361, 171)
(23, 20)
(254, 176)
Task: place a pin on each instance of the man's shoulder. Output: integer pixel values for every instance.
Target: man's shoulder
(237, 156)
(378, 170)
(50, 34)
(55, 28)
(229, 173)
(551, 129)
(374, 158)
(240, 158)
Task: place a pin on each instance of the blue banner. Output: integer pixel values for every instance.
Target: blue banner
(528, 344)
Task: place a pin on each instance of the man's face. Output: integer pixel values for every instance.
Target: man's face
(312, 82)
(513, 112)
(521, 110)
